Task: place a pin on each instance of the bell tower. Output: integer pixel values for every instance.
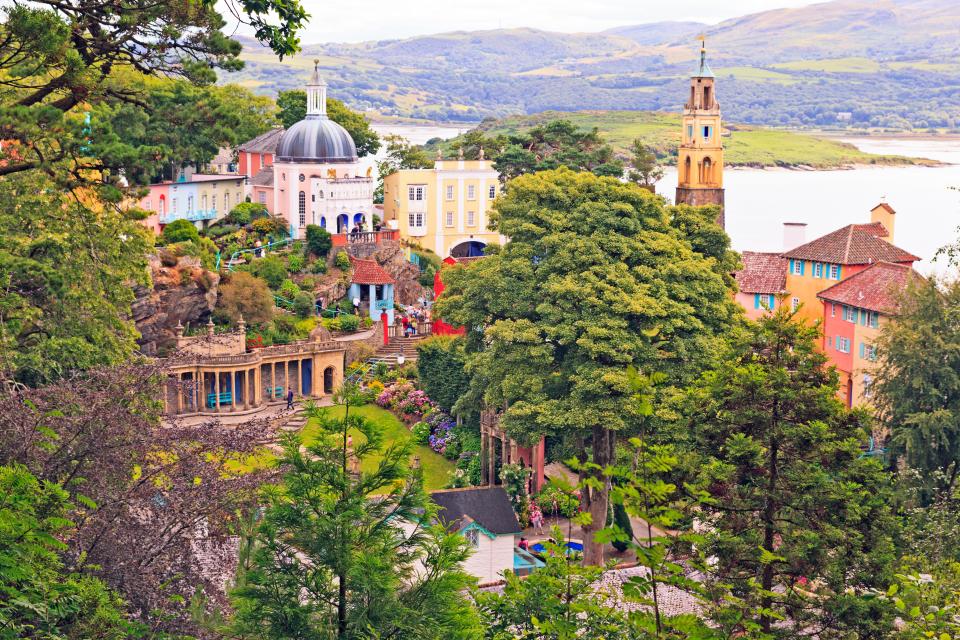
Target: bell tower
(700, 158)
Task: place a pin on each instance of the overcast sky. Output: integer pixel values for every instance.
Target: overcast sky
(351, 21)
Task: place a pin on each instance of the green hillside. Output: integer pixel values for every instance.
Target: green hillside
(743, 146)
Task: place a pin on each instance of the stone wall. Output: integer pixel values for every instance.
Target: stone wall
(390, 255)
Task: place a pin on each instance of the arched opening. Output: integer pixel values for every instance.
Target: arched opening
(360, 219)
(469, 249)
(163, 205)
(707, 98)
(686, 170)
(323, 223)
(707, 170)
(691, 97)
(343, 223)
(328, 380)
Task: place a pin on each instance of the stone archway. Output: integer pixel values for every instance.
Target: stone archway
(328, 376)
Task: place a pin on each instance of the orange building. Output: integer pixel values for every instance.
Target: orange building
(854, 313)
(821, 263)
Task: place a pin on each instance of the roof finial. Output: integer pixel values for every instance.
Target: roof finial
(704, 70)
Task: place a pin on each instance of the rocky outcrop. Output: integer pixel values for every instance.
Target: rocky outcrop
(183, 292)
(390, 255)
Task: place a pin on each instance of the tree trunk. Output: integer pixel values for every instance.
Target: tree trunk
(597, 501)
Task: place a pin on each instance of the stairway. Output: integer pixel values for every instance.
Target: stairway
(406, 345)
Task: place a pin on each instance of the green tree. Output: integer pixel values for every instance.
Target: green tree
(644, 169)
(799, 521)
(293, 109)
(557, 144)
(594, 277)
(245, 295)
(350, 554)
(66, 271)
(441, 369)
(400, 155)
(319, 241)
(917, 385)
(39, 598)
(304, 305)
(180, 231)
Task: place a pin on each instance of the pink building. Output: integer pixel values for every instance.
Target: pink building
(761, 280)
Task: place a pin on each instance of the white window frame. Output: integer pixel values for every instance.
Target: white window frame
(473, 537)
(471, 219)
(493, 191)
(471, 192)
(795, 304)
(449, 192)
(416, 192)
(448, 219)
(262, 197)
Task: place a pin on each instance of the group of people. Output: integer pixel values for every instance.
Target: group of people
(410, 319)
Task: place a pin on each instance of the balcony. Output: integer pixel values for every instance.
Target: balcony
(365, 237)
(192, 216)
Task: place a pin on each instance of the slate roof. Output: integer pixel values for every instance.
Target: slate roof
(369, 272)
(762, 273)
(852, 244)
(264, 143)
(263, 178)
(875, 288)
(487, 506)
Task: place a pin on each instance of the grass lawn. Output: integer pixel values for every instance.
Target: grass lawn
(436, 468)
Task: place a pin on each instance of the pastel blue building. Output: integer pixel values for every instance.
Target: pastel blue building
(373, 287)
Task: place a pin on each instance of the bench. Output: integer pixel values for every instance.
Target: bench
(225, 398)
(275, 392)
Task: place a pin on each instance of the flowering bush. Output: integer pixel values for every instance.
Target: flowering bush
(421, 432)
(442, 436)
(554, 501)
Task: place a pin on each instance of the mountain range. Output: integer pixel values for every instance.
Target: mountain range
(863, 63)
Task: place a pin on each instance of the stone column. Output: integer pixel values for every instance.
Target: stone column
(273, 380)
(233, 390)
(216, 390)
(373, 301)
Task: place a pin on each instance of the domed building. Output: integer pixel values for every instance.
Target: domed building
(315, 177)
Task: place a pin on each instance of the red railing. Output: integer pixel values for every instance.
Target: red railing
(365, 237)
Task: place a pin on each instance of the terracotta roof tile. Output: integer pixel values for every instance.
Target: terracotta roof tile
(875, 288)
(876, 229)
(762, 273)
(851, 244)
(884, 205)
(369, 272)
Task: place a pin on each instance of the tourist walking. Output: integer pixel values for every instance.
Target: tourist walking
(289, 397)
(536, 518)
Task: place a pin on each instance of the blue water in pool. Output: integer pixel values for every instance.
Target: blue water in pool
(572, 546)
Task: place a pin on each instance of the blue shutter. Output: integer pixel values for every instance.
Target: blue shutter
(861, 349)
(791, 266)
(803, 264)
(839, 272)
(772, 301)
(756, 301)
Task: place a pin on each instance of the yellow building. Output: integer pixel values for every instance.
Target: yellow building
(444, 209)
(700, 157)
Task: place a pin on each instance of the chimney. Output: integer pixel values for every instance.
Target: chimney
(794, 234)
(885, 215)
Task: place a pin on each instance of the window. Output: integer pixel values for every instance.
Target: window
(473, 537)
(449, 218)
(174, 209)
(320, 194)
(415, 219)
(817, 269)
(765, 301)
(203, 202)
(874, 319)
(226, 202)
(834, 272)
(471, 218)
(868, 351)
(262, 197)
(867, 385)
(302, 177)
(706, 132)
(796, 267)
(493, 191)
(833, 310)
(449, 192)
(414, 193)
(189, 204)
(149, 205)
(843, 345)
(795, 304)
(213, 203)
(471, 192)
(848, 314)
(302, 207)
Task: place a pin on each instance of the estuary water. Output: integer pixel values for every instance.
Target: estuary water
(759, 201)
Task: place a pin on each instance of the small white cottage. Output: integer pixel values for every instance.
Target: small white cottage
(485, 517)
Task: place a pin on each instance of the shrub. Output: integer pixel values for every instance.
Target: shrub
(303, 304)
(319, 241)
(272, 270)
(622, 520)
(247, 295)
(421, 432)
(288, 289)
(554, 501)
(342, 261)
(180, 231)
(270, 226)
(295, 263)
(318, 266)
(220, 230)
(349, 322)
(441, 362)
(246, 212)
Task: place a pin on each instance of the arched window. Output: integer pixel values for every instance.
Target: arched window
(691, 98)
(189, 204)
(302, 208)
(163, 205)
(203, 202)
(686, 170)
(707, 177)
(226, 202)
(706, 98)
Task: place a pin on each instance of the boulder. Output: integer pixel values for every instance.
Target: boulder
(184, 293)
(390, 255)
